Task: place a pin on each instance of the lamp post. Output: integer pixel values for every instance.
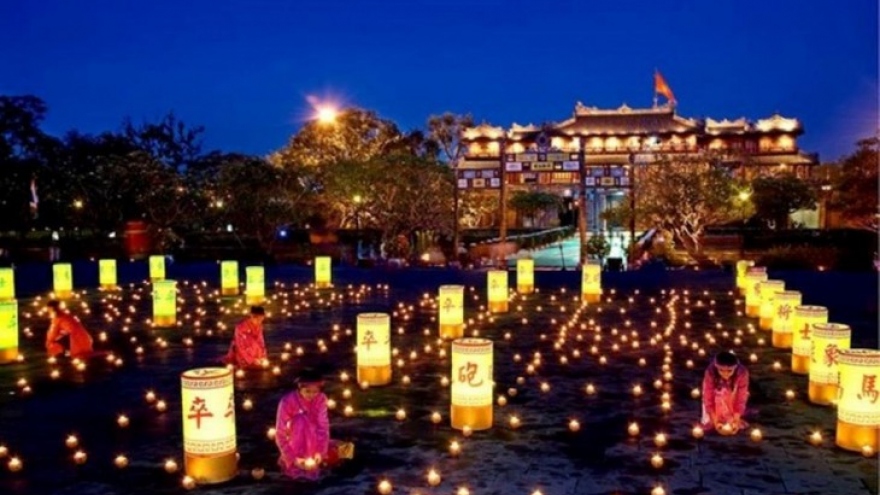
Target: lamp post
(357, 199)
(743, 197)
(826, 192)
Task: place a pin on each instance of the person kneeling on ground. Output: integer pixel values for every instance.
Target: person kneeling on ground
(248, 347)
(66, 325)
(725, 394)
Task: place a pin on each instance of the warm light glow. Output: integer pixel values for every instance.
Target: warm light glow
(326, 114)
(164, 302)
(472, 379)
(858, 408)
(783, 317)
(107, 273)
(451, 311)
(591, 280)
(768, 290)
(62, 279)
(208, 407)
(496, 282)
(7, 283)
(374, 348)
(754, 276)
(742, 267)
(157, 267)
(525, 276)
(801, 349)
(255, 292)
(323, 272)
(229, 278)
(828, 340)
(8, 331)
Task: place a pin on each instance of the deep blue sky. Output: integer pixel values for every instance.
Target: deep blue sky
(244, 69)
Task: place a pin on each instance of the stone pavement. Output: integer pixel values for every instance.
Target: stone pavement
(542, 454)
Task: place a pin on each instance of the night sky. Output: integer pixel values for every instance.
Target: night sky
(247, 69)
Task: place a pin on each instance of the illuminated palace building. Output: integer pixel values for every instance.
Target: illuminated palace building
(603, 145)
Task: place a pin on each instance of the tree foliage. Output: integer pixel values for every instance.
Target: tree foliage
(778, 196)
(534, 204)
(856, 189)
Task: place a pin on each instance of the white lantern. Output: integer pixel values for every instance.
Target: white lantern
(525, 276)
(828, 339)
(7, 284)
(591, 281)
(164, 303)
(451, 311)
(858, 408)
(323, 272)
(107, 274)
(208, 406)
(496, 281)
(8, 331)
(255, 277)
(62, 280)
(472, 384)
(374, 348)
(801, 348)
(768, 290)
(157, 267)
(229, 278)
(754, 276)
(741, 267)
(783, 317)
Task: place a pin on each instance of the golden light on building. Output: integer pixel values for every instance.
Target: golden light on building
(8, 331)
(801, 347)
(525, 276)
(472, 381)
(208, 407)
(7, 284)
(164, 303)
(754, 276)
(229, 278)
(323, 272)
(858, 408)
(496, 284)
(255, 288)
(107, 274)
(62, 280)
(591, 281)
(828, 340)
(741, 267)
(157, 267)
(783, 317)
(451, 311)
(768, 291)
(374, 348)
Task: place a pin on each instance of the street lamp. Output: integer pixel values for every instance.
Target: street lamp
(826, 192)
(357, 199)
(327, 114)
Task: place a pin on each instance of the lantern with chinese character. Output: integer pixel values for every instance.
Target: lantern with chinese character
(783, 317)
(374, 348)
(828, 340)
(7, 284)
(768, 290)
(591, 281)
(525, 276)
(801, 348)
(497, 286)
(157, 267)
(8, 331)
(208, 402)
(451, 310)
(164, 303)
(323, 273)
(741, 267)
(107, 274)
(472, 384)
(754, 276)
(858, 407)
(62, 280)
(229, 278)
(255, 291)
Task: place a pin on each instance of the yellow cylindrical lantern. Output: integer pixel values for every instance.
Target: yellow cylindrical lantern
(496, 281)
(62, 280)
(255, 292)
(164, 303)
(754, 276)
(208, 403)
(858, 407)
(229, 278)
(451, 311)
(8, 331)
(742, 267)
(783, 317)
(768, 290)
(374, 348)
(7, 284)
(591, 281)
(323, 272)
(525, 276)
(107, 274)
(472, 384)
(828, 340)
(801, 346)
(157, 267)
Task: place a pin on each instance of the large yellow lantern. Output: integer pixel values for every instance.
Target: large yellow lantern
(768, 291)
(164, 303)
(451, 311)
(801, 348)
(525, 276)
(62, 280)
(591, 281)
(323, 272)
(783, 317)
(8, 331)
(208, 406)
(374, 348)
(255, 292)
(496, 281)
(107, 274)
(741, 267)
(858, 407)
(7, 284)
(229, 278)
(828, 340)
(472, 384)
(157, 267)
(754, 276)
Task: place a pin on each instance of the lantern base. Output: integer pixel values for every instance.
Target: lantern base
(253, 300)
(498, 306)
(753, 311)
(109, 287)
(323, 285)
(824, 394)
(591, 297)
(374, 375)
(854, 437)
(205, 469)
(229, 291)
(782, 340)
(164, 321)
(525, 289)
(476, 417)
(156, 279)
(452, 331)
(800, 365)
(63, 294)
(8, 355)
(765, 323)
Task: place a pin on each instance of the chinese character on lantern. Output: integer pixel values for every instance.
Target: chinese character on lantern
(467, 373)
(868, 390)
(230, 408)
(447, 304)
(831, 354)
(199, 410)
(784, 311)
(805, 332)
(369, 339)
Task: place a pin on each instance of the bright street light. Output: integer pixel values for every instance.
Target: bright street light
(327, 114)
(744, 195)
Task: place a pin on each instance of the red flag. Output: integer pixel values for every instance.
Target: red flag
(660, 87)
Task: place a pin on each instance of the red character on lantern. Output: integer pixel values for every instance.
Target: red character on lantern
(199, 410)
(868, 388)
(467, 373)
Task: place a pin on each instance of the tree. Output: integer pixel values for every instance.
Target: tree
(446, 130)
(478, 208)
(776, 197)
(532, 203)
(856, 190)
(169, 141)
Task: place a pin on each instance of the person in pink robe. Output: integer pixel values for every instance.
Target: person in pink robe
(66, 325)
(248, 347)
(725, 394)
(302, 429)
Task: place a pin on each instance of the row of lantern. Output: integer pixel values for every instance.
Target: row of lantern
(837, 374)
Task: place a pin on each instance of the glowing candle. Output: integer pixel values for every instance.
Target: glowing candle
(801, 349)
(525, 276)
(858, 408)
(591, 281)
(8, 331)
(157, 267)
(62, 280)
(783, 317)
(323, 272)
(107, 274)
(496, 281)
(208, 402)
(828, 340)
(255, 277)
(472, 383)
(229, 278)
(451, 311)
(754, 276)
(7, 284)
(164, 303)
(374, 348)
(433, 477)
(768, 290)
(741, 267)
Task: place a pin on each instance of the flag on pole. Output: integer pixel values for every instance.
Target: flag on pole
(661, 87)
(35, 201)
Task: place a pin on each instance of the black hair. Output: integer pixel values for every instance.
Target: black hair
(54, 304)
(258, 311)
(726, 358)
(309, 375)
